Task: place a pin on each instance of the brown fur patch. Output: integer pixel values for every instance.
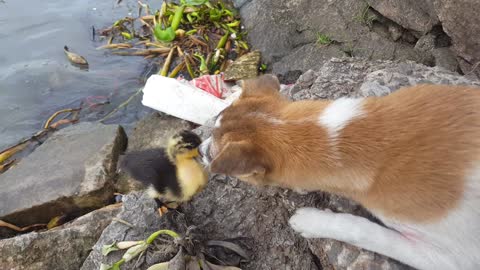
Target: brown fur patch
(405, 159)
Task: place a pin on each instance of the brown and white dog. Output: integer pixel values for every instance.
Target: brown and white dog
(412, 158)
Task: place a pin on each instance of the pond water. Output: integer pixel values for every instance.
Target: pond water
(36, 78)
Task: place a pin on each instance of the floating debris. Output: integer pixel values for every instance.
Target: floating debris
(22, 229)
(75, 58)
(11, 151)
(244, 67)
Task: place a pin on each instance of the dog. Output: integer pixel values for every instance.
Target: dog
(412, 158)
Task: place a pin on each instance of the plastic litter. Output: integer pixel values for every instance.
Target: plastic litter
(197, 101)
(212, 84)
(182, 100)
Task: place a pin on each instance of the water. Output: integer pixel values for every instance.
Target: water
(36, 78)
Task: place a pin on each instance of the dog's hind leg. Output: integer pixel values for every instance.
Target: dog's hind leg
(359, 231)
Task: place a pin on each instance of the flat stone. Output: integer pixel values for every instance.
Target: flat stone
(246, 66)
(425, 43)
(445, 58)
(72, 171)
(384, 81)
(64, 247)
(355, 77)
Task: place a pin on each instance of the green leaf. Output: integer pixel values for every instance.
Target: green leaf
(115, 266)
(193, 2)
(243, 44)
(109, 248)
(117, 23)
(215, 14)
(165, 35)
(127, 35)
(134, 251)
(189, 18)
(159, 266)
(234, 24)
(154, 235)
(177, 17)
(223, 41)
(203, 64)
(191, 32)
(105, 266)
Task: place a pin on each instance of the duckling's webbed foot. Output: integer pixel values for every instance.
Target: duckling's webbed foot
(172, 205)
(164, 207)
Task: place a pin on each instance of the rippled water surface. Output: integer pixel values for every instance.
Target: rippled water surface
(36, 78)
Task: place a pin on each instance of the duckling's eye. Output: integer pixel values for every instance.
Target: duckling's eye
(190, 146)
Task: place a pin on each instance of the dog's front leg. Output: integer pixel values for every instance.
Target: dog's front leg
(359, 231)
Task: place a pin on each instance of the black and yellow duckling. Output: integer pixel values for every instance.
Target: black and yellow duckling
(172, 174)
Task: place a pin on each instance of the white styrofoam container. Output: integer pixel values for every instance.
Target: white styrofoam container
(182, 100)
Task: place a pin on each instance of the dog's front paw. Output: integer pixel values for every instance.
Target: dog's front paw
(308, 222)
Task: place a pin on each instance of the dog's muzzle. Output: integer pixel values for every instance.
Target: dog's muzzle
(204, 150)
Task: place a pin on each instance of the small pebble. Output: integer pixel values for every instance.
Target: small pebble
(118, 198)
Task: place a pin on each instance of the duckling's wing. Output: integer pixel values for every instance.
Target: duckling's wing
(153, 168)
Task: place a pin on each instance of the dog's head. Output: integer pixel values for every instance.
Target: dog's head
(240, 143)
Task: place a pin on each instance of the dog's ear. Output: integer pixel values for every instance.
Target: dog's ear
(267, 84)
(238, 159)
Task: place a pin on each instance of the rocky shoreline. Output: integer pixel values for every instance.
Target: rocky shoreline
(374, 49)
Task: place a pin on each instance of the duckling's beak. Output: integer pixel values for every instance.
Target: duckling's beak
(204, 151)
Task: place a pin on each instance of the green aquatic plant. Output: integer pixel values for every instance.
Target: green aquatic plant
(197, 27)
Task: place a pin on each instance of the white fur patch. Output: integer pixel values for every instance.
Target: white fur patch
(358, 231)
(266, 117)
(218, 122)
(452, 242)
(339, 113)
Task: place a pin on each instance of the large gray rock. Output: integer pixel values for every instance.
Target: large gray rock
(64, 247)
(411, 14)
(72, 171)
(360, 77)
(286, 33)
(461, 22)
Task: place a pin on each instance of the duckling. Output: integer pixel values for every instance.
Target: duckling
(172, 175)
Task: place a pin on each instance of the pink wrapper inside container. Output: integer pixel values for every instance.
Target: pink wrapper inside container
(212, 84)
